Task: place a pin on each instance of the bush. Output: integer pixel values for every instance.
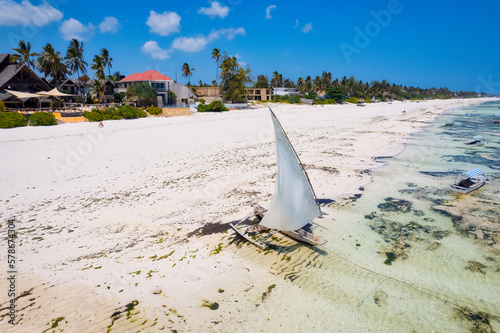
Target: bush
(311, 96)
(326, 101)
(202, 101)
(2, 106)
(12, 119)
(154, 111)
(42, 119)
(112, 113)
(129, 112)
(214, 106)
(93, 115)
(292, 99)
(336, 93)
(353, 100)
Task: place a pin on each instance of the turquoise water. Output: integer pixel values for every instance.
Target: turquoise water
(410, 255)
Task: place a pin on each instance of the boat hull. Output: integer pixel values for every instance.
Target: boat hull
(475, 144)
(461, 189)
(304, 236)
(259, 245)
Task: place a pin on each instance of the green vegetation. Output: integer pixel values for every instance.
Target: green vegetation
(42, 119)
(187, 72)
(262, 82)
(143, 92)
(326, 101)
(292, 99)
(340, 89)
(268, 292)
(119, 97)
(390, 258)
(124, 111)
(2, 106)
(233, 79)
(129, 112)
(217, 249)
(154, 111)
(335, 93)
(211, 306)
(353, 100)
(12, 119)
(214, 106)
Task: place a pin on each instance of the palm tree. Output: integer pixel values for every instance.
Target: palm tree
(97, 89)
(300, 84)
(106, 60)
(216, 56)
(187, 72)
(116, 76)
(98, 67)
(74, 60)
(50, 63)
(24, 54)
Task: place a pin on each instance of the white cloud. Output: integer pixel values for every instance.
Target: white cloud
(308, 27)
(24, 13)
(238, 57)
(198, 43)
(268, 11)
(296, 24)
(75, 29)
(190, 44)
(229, 33)
(151, 47)
(110, 24)
(163, 24)
(215, 10)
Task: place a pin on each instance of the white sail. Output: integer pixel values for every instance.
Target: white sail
(293, 204)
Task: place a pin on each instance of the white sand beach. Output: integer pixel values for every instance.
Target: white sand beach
(125, 228)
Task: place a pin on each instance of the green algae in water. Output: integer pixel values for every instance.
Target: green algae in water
(475, 266)
(390, 258)
(395, 205)
(479, 321)
(211, 306)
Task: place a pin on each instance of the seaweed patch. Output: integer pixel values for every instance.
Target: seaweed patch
(395, 205)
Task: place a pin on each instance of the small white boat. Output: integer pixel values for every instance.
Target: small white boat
(478, 140)
(293, 205)
(469, 181)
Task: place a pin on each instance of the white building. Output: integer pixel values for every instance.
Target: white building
(285, 91)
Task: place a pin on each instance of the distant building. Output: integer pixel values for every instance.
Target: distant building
(210, 94)
(163, 85)
(285, 91)
(259, 94)
(20, 78)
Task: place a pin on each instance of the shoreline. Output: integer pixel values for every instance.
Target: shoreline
(131, 234)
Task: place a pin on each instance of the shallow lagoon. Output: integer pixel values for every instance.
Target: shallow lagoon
(409, 255)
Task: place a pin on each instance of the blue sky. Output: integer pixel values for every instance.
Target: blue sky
(410, 42)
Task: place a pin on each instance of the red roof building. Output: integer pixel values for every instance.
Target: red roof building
(150, 75)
